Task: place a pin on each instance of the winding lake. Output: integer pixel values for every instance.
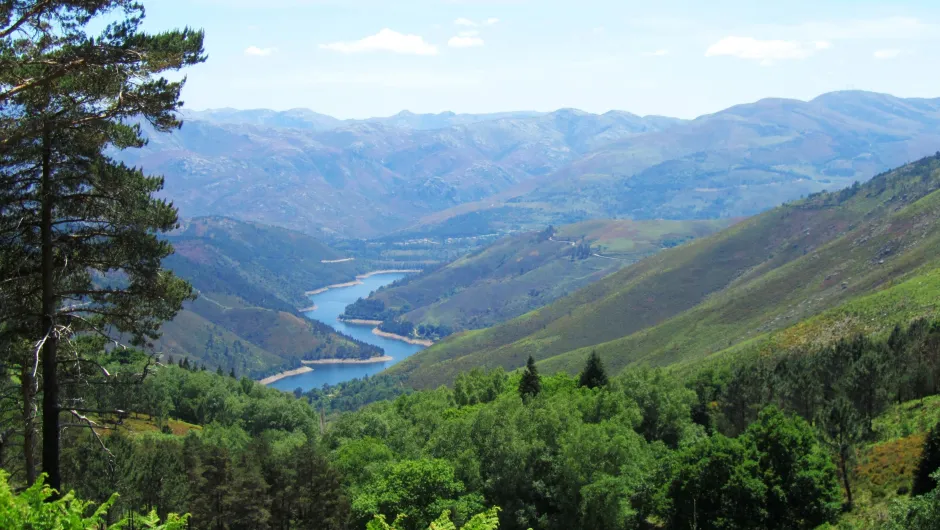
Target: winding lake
(331, 304)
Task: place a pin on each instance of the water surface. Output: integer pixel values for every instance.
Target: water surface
(330, 305)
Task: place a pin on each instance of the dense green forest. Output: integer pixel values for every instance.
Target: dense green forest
(782, 442)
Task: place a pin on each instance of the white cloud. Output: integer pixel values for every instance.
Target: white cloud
(657, 53)
(823, 45)
(385, 40)
(760, 50)
(886, 54)
(471, 33)
(465, 42)
(491, 21)
(254, 51)
(465, 22)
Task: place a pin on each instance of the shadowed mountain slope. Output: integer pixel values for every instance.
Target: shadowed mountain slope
(251, 280)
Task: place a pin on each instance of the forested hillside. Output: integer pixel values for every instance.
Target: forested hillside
(834, 433)
(251, 279)
(763, 274)
(519, 273)
(265, 265)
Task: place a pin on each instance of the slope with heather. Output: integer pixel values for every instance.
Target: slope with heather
(739, 161)
(764, 274)
(521, 272)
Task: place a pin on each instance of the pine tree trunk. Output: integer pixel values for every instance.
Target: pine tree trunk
(50, 383)
(843, 463)
(28, 387)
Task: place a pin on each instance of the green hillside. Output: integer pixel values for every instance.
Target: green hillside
(767, 273)
(251, 280)
(255, 261)
(522, 272)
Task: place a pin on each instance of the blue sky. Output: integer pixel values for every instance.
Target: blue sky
(361, 58)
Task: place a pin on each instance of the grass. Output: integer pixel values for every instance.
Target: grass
(137, 424)
(906, 419)
(885, 467)
(144, 425)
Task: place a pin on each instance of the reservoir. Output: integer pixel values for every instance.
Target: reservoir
(329, 306)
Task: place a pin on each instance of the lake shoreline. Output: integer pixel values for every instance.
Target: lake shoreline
(409, 340)
(359, 321)
(358, 280)
(387, 271)
(284, 375)
(370, 360)
(322, 290)
(330, 306)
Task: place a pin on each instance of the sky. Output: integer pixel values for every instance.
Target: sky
(682, 58)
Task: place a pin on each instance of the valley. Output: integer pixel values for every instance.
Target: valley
(330, 304)
(685, 258)
(555, 319)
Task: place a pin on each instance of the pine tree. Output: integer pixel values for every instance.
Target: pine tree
(245, 497)
(531, 384)
(69, 213)
(929, 463)
(593, 375)
(843, 429)
(232, 373)
(218, 371)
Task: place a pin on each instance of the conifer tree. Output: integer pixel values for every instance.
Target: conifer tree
(531, 384)
(78, 229)
(218, 370)
(929, 463)
(843, 429)
(593, 375)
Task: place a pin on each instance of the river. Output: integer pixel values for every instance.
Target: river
(330, 305)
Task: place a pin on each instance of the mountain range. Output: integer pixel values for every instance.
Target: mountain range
(512, 171)
(807, 273)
